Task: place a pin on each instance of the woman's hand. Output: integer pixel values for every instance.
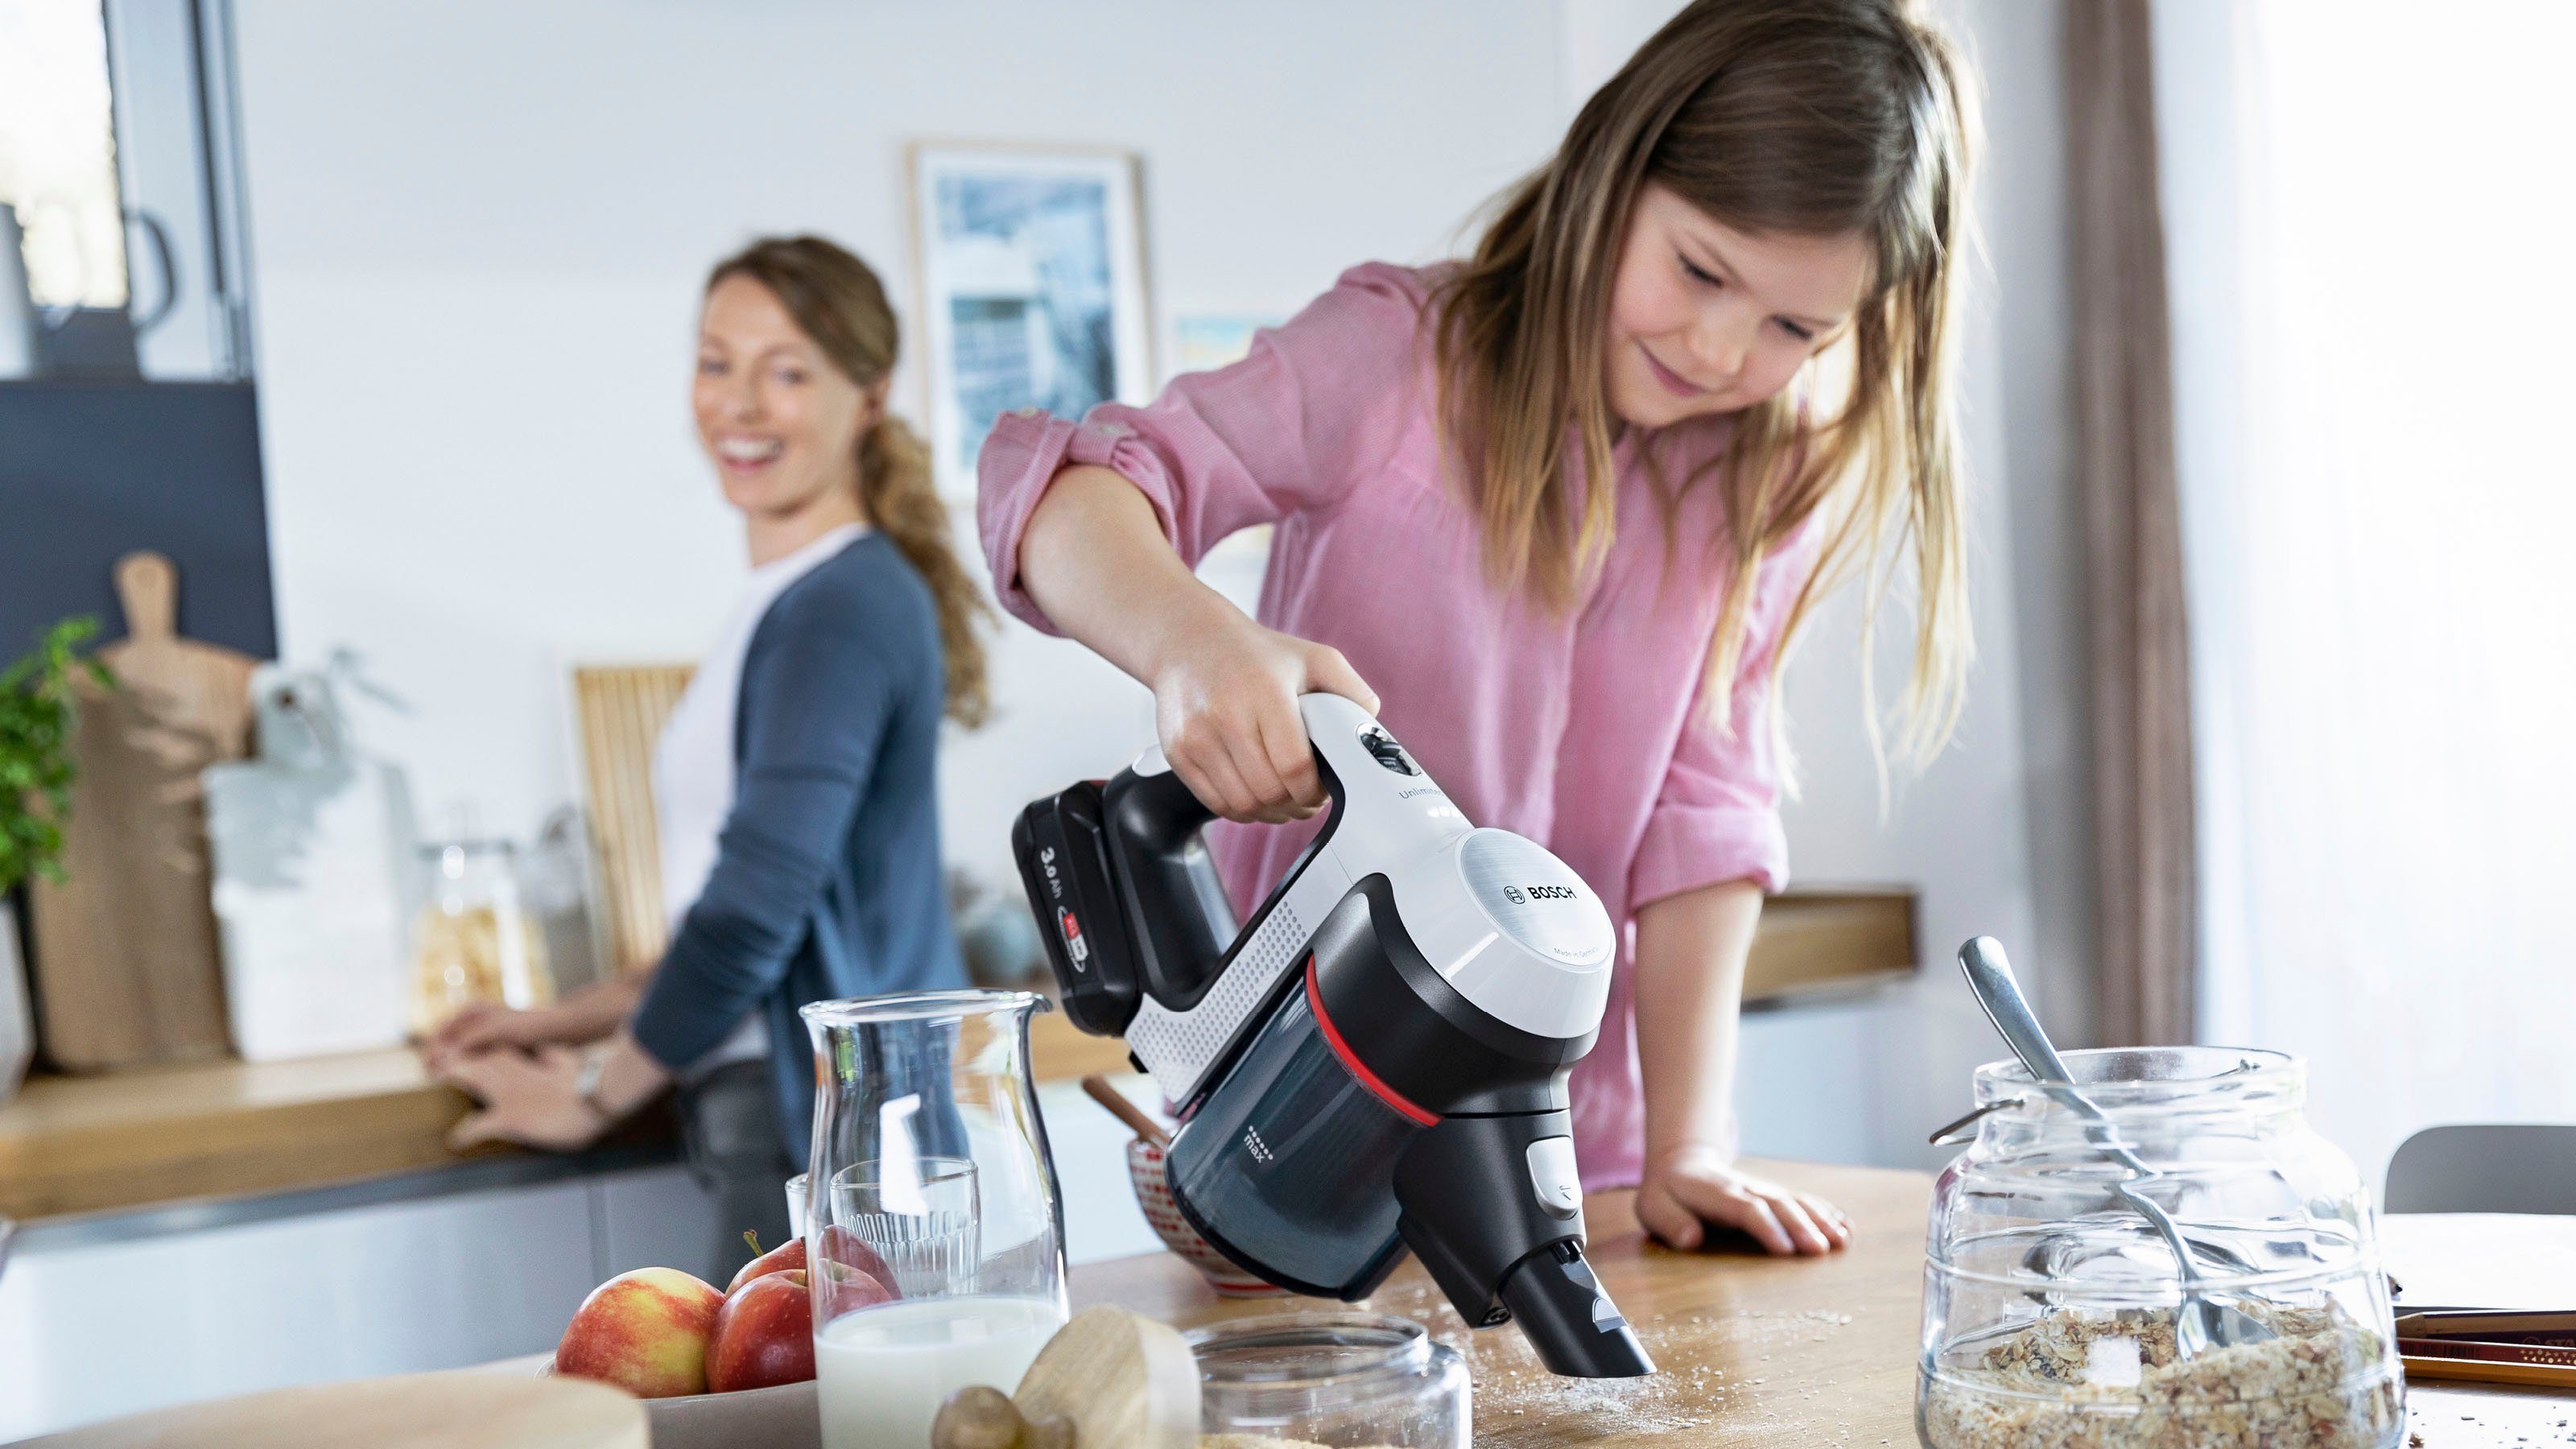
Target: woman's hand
(531, 1098)
(1225, 705)
(1686, 1190)
(484, 1027)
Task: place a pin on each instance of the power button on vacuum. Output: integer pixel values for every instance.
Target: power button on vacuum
(1552, 1176)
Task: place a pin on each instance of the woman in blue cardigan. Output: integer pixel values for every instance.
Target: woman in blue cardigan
(795, 784)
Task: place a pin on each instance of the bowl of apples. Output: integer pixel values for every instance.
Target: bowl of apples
(721, 1368)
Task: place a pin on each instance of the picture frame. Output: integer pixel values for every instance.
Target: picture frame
(1031, 287)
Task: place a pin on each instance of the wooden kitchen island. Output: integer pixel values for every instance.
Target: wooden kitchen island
(1758, 1352)
(1753, 1350)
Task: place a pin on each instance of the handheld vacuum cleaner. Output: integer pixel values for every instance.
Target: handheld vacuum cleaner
(1375, 1061)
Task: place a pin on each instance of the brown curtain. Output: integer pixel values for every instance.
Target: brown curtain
(2145, 920)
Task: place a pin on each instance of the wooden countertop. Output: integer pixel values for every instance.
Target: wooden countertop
(1752, 1350)
(1758, 1351)
(222, 1129)
(225, 1129)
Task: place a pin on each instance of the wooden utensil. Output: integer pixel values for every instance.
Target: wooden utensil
(418, 1411)
(1108, 1378)
(126, 966)
(1099, 1090)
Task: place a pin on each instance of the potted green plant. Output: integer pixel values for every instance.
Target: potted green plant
(36, 715)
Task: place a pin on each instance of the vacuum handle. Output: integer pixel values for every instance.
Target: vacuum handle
(1171, 896)
(1185, 926)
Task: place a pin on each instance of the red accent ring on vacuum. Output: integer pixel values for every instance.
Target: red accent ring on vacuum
(1350, 1059)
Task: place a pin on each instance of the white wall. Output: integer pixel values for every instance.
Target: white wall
(478, 231)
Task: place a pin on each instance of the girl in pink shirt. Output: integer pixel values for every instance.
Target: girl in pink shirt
(1553, 513)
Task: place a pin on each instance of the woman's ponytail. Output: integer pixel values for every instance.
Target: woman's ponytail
(902, 498)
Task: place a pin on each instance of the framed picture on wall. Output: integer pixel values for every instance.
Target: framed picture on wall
(1030, 262)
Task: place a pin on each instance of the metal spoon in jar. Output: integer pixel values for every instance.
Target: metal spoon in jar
(2201, 1322)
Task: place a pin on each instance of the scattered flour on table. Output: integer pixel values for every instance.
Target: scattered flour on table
(1518, 1402)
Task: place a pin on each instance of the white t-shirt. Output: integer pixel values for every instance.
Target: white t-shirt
(693, 763)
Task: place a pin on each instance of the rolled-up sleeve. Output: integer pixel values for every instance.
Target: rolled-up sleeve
(1717, 816)
(1289, 428)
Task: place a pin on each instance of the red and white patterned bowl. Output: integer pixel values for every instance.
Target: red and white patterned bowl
(1154, 1195)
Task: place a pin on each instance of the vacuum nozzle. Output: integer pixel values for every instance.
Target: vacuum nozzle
(1569, 1318)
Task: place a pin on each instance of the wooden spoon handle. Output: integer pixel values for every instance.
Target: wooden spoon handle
(1125, 1111)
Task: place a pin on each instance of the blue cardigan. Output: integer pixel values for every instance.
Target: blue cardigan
(827, 875)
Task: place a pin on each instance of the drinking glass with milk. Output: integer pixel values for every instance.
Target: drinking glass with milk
(930, 1209)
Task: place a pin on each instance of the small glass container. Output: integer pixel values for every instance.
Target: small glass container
(2050, 1303)
(473, 942)
(1347, 1380)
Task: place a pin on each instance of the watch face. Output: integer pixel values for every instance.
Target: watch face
(1383, 749)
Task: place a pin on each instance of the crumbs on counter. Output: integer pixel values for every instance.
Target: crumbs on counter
(1709, 1376)
(1255, 1441)
(2116, 1381)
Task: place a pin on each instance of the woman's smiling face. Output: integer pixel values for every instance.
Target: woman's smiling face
(778, 420)
(1707, 319)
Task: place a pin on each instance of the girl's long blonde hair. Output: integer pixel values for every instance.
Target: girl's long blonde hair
(838, 303)
(1805, 117)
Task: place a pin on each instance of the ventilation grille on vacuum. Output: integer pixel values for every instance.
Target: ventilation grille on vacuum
(1178, 1046)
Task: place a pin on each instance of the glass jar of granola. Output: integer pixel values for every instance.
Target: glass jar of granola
(2057, 1313)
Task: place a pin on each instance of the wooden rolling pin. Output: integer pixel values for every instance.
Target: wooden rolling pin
(1108, 1377)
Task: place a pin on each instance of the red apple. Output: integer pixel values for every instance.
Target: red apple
(846, 1248)
(764, 1336)
(645, 1332)
(787, 1256)
(846, 1288)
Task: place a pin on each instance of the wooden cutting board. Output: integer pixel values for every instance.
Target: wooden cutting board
(419, 1411)
(126, 964)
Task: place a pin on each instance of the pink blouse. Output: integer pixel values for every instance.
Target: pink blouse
(1578, 730)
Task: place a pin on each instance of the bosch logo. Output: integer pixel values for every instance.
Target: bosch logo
(1513, 894)
(1546, 893)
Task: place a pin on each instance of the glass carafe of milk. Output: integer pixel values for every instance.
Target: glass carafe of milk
(932, 1218)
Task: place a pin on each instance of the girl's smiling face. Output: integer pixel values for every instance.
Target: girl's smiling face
(778, 420)
(1707, 319)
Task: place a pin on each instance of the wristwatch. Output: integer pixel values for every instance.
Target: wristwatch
(585, 1083)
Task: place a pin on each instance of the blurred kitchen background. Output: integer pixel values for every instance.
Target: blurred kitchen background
(374, 323)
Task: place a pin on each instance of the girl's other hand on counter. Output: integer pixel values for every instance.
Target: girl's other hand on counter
(1686, 1190)
(1225, 705)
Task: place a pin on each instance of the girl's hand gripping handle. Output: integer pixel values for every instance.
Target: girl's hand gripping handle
(1225, 710)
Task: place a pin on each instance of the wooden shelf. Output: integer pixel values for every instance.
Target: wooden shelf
(1830, 941)
(232, 1129)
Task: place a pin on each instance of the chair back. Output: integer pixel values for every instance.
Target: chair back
(2517, 1167)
